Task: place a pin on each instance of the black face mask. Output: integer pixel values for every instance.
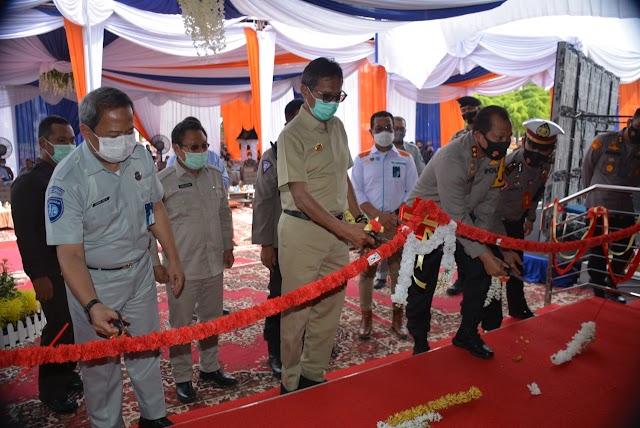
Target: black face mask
(494, 150)
(469, 116)
(634, 134)
(534, 159)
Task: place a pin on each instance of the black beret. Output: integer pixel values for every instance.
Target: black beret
(468, 101)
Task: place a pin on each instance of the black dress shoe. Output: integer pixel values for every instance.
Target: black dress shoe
(154, 423)
(64, 405)
(305, 382)
(226, 311)
(379, 284)
(275, 365)
(185, 391)
(219, 377)
(617, 298)
(75, 386)
(455, 289)
(521, 314)
(421, 347)
(475, 346)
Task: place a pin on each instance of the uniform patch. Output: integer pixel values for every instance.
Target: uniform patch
(56, 190)
(266, 165)
(474, 152)
(182, 186)
(55, 206)
(101, 201)
(596, 145)
(396, 171)
(500, 179)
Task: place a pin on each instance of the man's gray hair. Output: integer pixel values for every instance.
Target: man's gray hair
(100, 100)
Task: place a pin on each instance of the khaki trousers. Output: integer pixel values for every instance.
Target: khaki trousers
(207, 293)
(308, 252)
(365, 285)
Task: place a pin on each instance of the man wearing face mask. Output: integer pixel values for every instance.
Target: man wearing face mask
(526, 173)
(56, 382)
(400, 130)
(315, 190)
(469, 107)
(196, 201)
(464, 178)
(613, 159)
(101, 201)
(382, 178)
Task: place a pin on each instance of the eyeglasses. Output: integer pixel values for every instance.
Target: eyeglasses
(196, 147)
(327, 98)
(387, 128)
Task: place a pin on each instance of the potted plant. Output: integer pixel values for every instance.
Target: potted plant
(20, 316)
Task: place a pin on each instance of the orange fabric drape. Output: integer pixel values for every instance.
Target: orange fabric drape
(628, 100)
(373, 98)
(450, 120)
(76, 52)
(138, 125)
(253, 50)
(235, 115)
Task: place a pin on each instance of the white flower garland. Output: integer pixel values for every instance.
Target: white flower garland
(578, 343)
(534, 389)
(495, 291)
(420, 421)
(443, 235)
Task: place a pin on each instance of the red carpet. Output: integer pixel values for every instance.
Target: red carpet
(598, 388)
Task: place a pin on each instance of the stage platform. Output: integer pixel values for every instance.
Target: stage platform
(598, 388)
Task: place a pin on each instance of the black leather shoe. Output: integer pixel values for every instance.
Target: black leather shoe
(75, 386)
(64, 405)
(475, 346)
(219, 377)
(226, 311)
(421, 347)
(185, 391)
(154, 423)
(379, 284)
(521, 314)
(305, 382)
(275, 365)
(455, 289)
(617, 298)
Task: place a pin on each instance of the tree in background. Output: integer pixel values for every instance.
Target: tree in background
(531, 101)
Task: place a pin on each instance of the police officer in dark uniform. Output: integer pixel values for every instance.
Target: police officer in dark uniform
(464, 178)
(526, 172)
(266, 214)
(613, 158)
(56, 138)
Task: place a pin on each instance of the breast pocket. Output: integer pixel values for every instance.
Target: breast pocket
(101, 214)
(175, 205)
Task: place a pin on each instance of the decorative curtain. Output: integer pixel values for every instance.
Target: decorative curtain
(629, 99)
(69, 110)
(235, 116)
(76, 52)
(428, 123)
(450, 121)
(373, 98)
(399, 105)
(253, 53)
(28, 117)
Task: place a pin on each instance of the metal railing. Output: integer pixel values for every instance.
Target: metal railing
(572, 226)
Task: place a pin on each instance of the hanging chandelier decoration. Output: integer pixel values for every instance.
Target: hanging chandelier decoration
(204, 22)
(57, 83)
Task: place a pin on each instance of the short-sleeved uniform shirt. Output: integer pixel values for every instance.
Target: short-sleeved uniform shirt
(611, 160)
(106, 211)
(523, 189)
(200, 217)
(267, 207)
(309, 153)
(383, 179)
(464, 185)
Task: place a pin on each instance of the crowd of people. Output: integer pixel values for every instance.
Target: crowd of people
(91, 217)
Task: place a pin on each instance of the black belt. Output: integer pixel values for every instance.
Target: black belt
(127, 266)
(303, 216)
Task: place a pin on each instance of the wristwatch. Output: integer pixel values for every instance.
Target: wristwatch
(89, 306)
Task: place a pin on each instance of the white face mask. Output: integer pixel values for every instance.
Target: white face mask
(115, 149)
(383, 139)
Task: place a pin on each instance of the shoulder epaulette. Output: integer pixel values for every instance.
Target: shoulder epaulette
(364, 154)
(403, 153)
(513, 165)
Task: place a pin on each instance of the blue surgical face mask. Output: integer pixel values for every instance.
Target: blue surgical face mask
(60, 151)
(195, 161)
(323, 110)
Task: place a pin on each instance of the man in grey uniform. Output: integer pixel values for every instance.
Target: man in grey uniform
(613, 158)
(101, 201)
(464, 178)
(526, 173)
(267, 209)
(198, 208)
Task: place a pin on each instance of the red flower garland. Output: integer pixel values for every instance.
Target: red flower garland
(34, 356)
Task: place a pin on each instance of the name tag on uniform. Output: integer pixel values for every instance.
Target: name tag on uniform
(396, 171)
(151, 217)
(184, 185)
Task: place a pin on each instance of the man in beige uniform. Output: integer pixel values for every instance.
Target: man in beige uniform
(613, 159)
(196, 201)
(464, 178)
(313, 159)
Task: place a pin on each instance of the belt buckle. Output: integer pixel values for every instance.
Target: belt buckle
(127, 266)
